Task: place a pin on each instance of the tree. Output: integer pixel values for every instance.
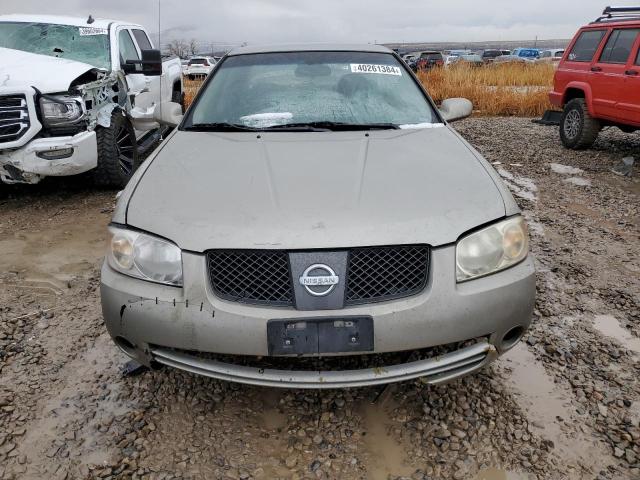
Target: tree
(179, 48)
(193, 46)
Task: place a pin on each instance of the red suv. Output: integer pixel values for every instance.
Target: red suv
(598, 79)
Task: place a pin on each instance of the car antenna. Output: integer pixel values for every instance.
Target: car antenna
(160, 86)
(90, 20)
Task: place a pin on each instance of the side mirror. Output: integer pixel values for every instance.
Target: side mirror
(453, 109)
(151, 64)
(170, 114)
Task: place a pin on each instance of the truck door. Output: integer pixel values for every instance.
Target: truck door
(629, 104)
(139, 85)
(609, 72)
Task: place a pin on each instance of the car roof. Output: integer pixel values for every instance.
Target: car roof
(312, 47)
(61, 20)
(615, 22)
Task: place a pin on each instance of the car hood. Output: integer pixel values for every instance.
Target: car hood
(47, 74)
(314, 190)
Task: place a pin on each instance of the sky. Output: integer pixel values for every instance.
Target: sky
(361, 21)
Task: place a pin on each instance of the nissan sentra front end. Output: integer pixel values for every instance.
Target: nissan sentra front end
(318, 243)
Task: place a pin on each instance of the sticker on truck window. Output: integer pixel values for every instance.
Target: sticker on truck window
(86, 31)
(371, 68)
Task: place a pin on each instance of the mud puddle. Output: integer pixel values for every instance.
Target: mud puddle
(609, 326)
(497, 474)
(46, 259)
(64, 413)
(272, 418)
(387, 456)
(548, 408)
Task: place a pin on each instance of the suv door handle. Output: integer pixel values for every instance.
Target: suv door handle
(596, 69)
(631, 72)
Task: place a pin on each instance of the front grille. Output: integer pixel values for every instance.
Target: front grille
(251, 276)
(378, 274)
(374, 274)
(14, 118)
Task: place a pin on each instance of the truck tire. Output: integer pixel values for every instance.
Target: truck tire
(177, 96)
(578, 129)
(117, 152)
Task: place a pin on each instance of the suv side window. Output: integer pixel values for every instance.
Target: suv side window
(619, 45)
(127, 48)
(142, 39)
(586, 45)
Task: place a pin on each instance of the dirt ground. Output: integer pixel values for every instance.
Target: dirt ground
(565, 403)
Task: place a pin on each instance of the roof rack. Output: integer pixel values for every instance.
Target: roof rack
(618, 14)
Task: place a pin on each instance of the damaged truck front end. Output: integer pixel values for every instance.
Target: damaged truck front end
(54, 134)
(78, 96)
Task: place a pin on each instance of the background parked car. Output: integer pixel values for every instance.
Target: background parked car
(472, 59)
(510, 59)
(598, 83)
(429, 60)
(490, 55)
(529, 54)
(199, 67)
(552, 55)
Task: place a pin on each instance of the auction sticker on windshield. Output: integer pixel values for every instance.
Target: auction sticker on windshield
(87, 31)
(371, 68)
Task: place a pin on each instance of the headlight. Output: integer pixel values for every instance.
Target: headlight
(491, 249)
(61, 110)
(144, 256)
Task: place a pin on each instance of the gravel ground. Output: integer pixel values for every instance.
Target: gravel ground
(563, 404)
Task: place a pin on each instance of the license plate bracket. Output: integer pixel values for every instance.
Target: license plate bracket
(320, 335)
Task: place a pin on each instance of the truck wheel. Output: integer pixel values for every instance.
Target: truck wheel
(578, 129)
(117, 152)
(178, 97)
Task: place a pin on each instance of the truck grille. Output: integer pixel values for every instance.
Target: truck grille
(14, 118)
(374, 274)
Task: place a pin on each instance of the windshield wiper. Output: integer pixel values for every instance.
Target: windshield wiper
(219, 127)
(335, 126)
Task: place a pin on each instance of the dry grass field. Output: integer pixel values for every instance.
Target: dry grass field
(507, 89)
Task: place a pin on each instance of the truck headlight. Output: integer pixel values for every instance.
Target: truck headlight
(144, 256)
(492, 249)
(61, 110)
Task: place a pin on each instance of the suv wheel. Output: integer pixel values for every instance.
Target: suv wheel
(578, 129)
(117, 152)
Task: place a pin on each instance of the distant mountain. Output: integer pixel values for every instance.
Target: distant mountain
(506, 44)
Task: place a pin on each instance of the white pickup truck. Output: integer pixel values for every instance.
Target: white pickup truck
(79, 95)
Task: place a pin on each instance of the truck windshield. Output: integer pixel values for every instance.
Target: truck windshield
(325, 89)
(83, 44)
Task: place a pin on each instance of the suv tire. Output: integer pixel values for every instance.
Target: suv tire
(578, 129)
(117, 152)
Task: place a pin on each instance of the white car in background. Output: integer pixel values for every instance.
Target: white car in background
(199, 67)
(553, 55)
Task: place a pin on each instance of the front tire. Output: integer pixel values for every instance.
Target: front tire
(117, 152)
(578, 129)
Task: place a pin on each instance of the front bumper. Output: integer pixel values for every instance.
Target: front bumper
(433, 370)
(23, 165)
(161, 323)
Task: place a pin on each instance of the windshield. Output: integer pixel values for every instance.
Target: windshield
(275, 89)
(198, 61)
(83, 44)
